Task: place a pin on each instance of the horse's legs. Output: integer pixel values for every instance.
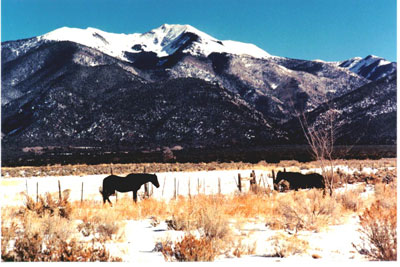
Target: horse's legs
(105, 199)
(108, 199)
(134, 195)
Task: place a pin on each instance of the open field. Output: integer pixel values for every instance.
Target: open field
(197, 213)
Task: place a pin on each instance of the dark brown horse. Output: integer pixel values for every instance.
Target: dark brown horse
(131, 182)
(298, 180)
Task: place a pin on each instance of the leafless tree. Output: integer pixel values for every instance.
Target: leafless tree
(321, 136)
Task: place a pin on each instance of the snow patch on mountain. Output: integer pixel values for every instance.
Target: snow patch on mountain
(164, 41)
(359, 64)
(370, 67)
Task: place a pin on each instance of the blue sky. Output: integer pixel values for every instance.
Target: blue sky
(305, 29)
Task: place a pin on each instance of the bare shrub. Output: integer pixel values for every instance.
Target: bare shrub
(285, 246)
(379, 232)
(86, 228)
(386, 194)
(214, 224)
(203, 213)
(35, 248)
(350, 200)
(308, 210)
(48, 238)
(48, 204)
(107, 230)
(43, 231)
(100, 227)
(241, 249)
(190, 249)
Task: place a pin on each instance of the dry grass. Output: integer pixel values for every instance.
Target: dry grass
(43, 231)
(284, 245)
(123, 209)
(379, 232)
(378, 224)
(211, 217)
(202, 213)
(351, 199)
(240, 249)
(48, 204)
(308, 210)
(190, 248)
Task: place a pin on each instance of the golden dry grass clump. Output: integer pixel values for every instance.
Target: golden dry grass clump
(378, 225)
(44, 231)
(303, 210)
(190, 248)
(284, 245)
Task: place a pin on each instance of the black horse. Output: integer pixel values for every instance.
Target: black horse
(131, 182)
(298, 180)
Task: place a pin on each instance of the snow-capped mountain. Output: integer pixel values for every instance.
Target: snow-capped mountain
(176, 85)
(164, 41)
(371, 67)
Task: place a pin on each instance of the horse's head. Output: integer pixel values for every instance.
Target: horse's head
(154, 180)
(279, 177)
(277, 180)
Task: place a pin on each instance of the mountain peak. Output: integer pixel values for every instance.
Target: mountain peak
(164, 41)
(371, 67)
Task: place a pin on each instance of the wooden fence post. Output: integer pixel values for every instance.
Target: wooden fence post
(239, 183)
(174, 187)
(189, 188)
(82, 193)
(59, 191)
(253, 182)
(219, 186)
(37, 192)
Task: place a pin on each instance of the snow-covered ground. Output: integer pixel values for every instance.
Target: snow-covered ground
(204, 182)
(334, 243)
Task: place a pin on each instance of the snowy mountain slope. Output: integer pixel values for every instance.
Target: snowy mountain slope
(271, 85)
(37, 67)
(74, 87)
(265, 82)
(370, 67)
(164, 41)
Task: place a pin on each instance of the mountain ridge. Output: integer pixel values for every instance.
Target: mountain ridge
(217, 99)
